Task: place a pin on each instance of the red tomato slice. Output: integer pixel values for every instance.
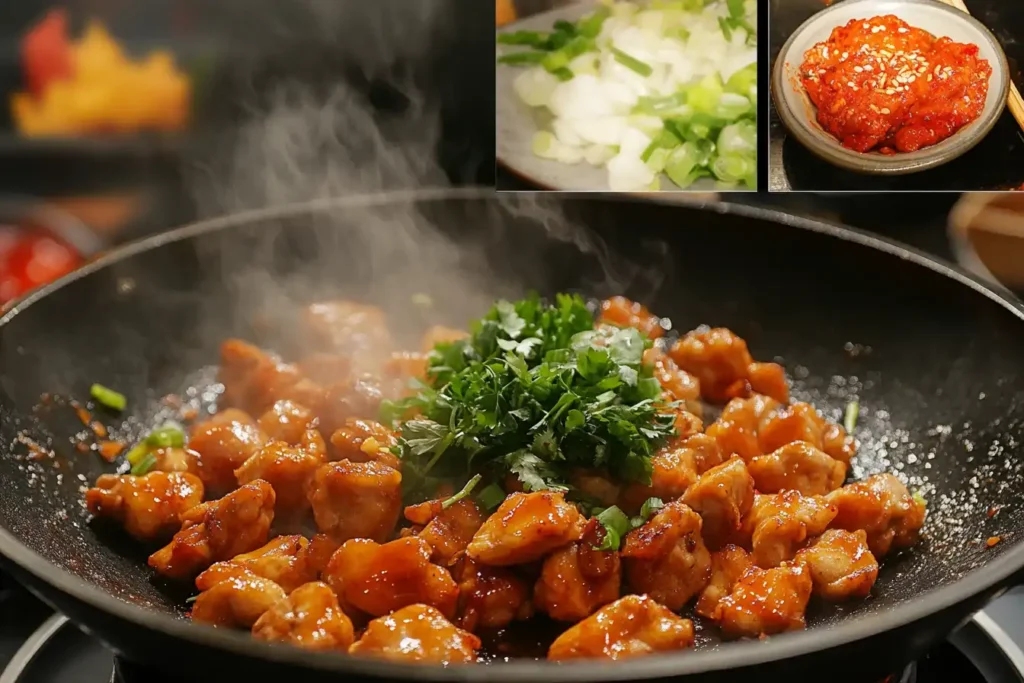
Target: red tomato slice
(37, 258)
(46, 52)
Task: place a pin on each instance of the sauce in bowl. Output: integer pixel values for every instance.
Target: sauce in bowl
(882, 85)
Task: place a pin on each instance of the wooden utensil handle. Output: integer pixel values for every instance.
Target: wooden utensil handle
(1014, 101)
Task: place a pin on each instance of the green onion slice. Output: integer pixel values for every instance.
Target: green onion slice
(466, 490)
(850, 418)
(144, 465)
(490, 497)
(616, 525)
(108, 397)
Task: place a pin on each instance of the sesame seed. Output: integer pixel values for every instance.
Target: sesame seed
(929, 78)
(967, 99)
(867, 67)
(873, 108)
(903, 30)
(890, 91)
(850, 83)
(845, 55)
(885, 110)
(858, 69)
(876, 29)
(824, 52)
(867, 25)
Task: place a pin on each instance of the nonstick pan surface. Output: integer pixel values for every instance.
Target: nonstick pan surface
(933, 356)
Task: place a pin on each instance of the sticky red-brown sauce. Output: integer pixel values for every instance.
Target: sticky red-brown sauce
(882, 85)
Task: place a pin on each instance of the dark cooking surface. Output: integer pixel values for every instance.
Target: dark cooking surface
(933, 343)
(994, 164)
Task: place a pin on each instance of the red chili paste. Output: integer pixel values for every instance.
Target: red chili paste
(882, 85)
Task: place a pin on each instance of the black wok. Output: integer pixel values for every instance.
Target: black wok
(933, 356)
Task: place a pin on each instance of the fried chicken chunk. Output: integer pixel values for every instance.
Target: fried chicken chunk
(223, 443)
(676, 382)
(622, 312)
(237, 601)
(736, 429)
(765, 601)
(149, 507)
(840, 564)
(674, 470)
(417, 633)
(365, 440)
(218, 530)
(666, 558)
(722, 496)
(356, 499)
(882, 507)
(802, 422)
(490, 597)
(287, 468)
(797, 466)
(378, 579)
(357, 397)
(780, 523)
(346, 326)
(727, 566)
(526, 527)
(631, 626)
(282, 560)
(309, 618)
(286, 421)
(577, 579)
(254, 380)
(718, 358)
(447, 530)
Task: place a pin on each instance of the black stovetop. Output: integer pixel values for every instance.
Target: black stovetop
(993, 165)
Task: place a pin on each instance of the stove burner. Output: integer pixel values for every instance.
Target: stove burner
(981, 652)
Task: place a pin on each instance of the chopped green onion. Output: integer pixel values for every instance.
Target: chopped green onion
(108, 397)
(666, 140)
(137, 453)
(166, 437)
(466, 490)
(144, 465)
(522, 58)
(632, 63)
(490, 497)
(919, 499)
(850, 418)
(591, 26)
(532, 38)
(422, 300)
(563, 74)
(189, 601)
(616, 525)
(565, 27)
(723, 24)
(651, 507)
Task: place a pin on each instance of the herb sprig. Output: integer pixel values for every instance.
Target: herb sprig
(534, 392)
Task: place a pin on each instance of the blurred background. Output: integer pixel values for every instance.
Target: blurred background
(120, 119)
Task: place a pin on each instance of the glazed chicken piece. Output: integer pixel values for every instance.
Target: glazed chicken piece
(286, 421)
(356, 500)
(629, 627)
(840, 564)
(596, 485)
(727, 566)
(674, 470)
(622, 312)
(287, 468)
(736, 429)
(149, 507)
(490, 597)
(768, 379)
(238, 601)
(687, 424)
(678, 384)
(447, 530)
(318, 553)
(802, 422)
(254, 380)
(219, 530)
(780, 523)
(526, 527)
(309, 618)
(402, 367)
(377, 579)
(718, 358)
(327, 368)
(417, 633)
(797, 466)
(223, 443)
(722, 496)
(765, 602)
(882, 507)
(347, 327)
(358, 397)
(365, 440)
(666, 558)
(439, 334)
(282, 560)
(577, 579)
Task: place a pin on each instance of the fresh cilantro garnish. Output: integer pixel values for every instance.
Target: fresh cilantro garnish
(533, 392)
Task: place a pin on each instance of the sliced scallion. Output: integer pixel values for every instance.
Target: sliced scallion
(616, 525)
(632, 63)
(108, 398)
(490, 497)
(850, 418)
(466, 490)
(144, 465)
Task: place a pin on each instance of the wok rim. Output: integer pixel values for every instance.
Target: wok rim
(743, 654)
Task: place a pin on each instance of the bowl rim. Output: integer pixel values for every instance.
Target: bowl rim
(828, 148)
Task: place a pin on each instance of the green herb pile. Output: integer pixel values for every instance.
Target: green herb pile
(535, 391)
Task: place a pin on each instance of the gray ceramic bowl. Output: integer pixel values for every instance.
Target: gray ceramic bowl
(799, 116)
(517, 123)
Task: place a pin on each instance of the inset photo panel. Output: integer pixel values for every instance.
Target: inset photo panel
(615, 96)
(890, 95)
